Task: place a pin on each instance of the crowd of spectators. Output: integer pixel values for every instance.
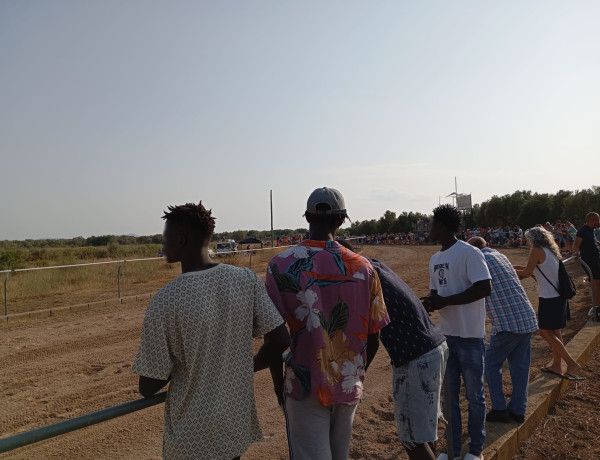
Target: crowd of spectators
(496, 236)
(395, 238)
(564, 235)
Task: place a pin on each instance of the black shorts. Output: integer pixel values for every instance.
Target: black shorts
(552, 313)
(594, 265)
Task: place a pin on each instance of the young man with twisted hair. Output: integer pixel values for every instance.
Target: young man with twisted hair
(197, 334)
(459, 282)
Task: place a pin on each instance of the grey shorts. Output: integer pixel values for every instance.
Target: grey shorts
(417, 386)
(317, 432)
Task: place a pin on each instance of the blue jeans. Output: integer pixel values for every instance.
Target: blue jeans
(467, 358)
(517, 349)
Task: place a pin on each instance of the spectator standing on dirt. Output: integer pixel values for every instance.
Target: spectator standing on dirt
(553, 309)
(418, 352)
(459, 282)
(586, 246)
(332, 302)
(513, 322)
(197, 334)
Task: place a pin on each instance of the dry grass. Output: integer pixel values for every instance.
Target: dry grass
(56, 287)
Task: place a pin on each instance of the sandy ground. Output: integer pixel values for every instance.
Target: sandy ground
(68, 365)
(570, 430)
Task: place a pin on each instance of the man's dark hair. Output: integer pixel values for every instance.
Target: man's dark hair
(195, 216)
(448, 217)
(327, 220)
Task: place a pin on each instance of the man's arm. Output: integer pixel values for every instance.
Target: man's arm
(372, 347)
(576, 245)
(476, 291)
(149, 386)
(269, 355)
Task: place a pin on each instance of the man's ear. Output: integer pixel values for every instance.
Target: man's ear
(182, 240)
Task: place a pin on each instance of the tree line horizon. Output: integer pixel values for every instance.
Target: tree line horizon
(522, 208)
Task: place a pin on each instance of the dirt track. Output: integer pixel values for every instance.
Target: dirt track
(60, 367)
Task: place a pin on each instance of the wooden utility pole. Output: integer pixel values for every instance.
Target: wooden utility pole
(271, 197)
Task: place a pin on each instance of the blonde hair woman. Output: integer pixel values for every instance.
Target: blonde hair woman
(552, 308)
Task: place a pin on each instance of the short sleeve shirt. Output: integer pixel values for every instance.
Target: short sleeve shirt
(589, 244)
(507, 306)
(411, 333)
(451, 272)
(198, 329)
(331, 299)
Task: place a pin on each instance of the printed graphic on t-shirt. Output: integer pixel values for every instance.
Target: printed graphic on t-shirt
(441, 271)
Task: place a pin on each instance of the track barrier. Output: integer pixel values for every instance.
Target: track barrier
(7, 273)
(50, 431)
(241, 258)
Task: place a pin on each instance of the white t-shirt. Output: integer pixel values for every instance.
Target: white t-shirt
(199, 330)
(451, 272)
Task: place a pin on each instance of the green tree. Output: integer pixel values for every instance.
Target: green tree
(238, 235)
(113, 248)
(535, 211)
(386, 222)
(514, 204)
(366, 227)
(580, 203)
(99, 240)
(468, 220)
(78, 241)
(407, 221)
(12, 259)
(558, 205)
(496, 212)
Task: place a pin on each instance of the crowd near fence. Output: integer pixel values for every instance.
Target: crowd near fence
(40, 434)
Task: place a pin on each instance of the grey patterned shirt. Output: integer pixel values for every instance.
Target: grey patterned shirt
(199, 330)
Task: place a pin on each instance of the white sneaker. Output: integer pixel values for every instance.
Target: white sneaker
(444, 456)
(470, 456)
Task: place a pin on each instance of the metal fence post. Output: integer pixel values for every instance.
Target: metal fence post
(5, 299)
(250, 259)
(119, 278)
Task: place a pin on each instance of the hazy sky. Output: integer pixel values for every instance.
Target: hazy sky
(112, 110)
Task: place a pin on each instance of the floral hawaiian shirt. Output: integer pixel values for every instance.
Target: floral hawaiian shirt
(331, 300)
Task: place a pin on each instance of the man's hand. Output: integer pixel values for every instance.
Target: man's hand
(433, 302)
(478, 290)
